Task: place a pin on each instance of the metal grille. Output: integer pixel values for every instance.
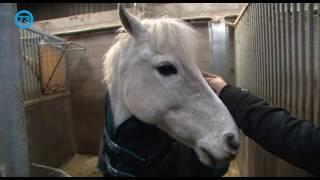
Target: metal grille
(277, 55)
(43, 63)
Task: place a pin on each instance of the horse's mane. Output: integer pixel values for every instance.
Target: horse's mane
(164, 35)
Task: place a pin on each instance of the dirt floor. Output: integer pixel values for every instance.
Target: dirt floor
(85, 166)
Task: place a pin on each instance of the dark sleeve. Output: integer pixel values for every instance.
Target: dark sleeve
(296, 141)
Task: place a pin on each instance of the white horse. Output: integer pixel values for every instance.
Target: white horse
(150, 73)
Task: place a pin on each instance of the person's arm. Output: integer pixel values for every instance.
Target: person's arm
(296, 141)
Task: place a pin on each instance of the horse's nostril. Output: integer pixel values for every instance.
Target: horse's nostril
(231, 143)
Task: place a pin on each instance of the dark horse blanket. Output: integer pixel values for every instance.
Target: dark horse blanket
(158, 154)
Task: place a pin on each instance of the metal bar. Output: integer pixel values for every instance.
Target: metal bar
(273, 59)
(256, 49)
(36, 64)
(257, 31)
(239, 75)
(268, 60)
(46, 34)
(261, 44)
(65, 43)
(256, 55)
(247, 52)
(252, 58)
(30, 64)
(317, 75)
(289, 58)
(23, 66)
(39, 63)
(259, 49)
(283, 57)
(242, 51)
(27, 75)
(271, 54)
(36, 52)
(278, 63)
(210, 34)
(264, 49)
(301, 66)
(294, 60)
(310, 65)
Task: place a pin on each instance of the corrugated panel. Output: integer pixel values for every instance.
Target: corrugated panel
(277, 59)
(279, 53)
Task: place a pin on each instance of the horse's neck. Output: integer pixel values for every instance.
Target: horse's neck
(118, 105)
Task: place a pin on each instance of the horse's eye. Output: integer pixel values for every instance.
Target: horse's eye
(167, 69)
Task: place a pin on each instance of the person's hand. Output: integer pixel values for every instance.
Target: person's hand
(216, 82)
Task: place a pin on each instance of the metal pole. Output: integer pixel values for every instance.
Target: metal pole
(14, 159)
(294, 61)
(278, 57)
(264, 49)
(310, 65)
(289, 57)
(301, 65)
(284, 57)
(317, 75)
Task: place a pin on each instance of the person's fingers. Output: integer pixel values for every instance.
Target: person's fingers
(205, 74)
(210, 79)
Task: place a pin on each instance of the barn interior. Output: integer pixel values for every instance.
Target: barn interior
(52, 98)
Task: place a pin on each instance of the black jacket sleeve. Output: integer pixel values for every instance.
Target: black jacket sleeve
(296, 141)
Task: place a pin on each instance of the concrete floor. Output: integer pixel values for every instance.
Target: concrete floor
(85, 166)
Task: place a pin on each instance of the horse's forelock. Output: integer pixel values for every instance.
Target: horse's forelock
(167, 35)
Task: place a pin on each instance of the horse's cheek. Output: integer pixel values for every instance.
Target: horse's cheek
(133, 94)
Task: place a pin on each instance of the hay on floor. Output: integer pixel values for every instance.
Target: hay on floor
(82, 166)
(85, 166)
(234, 170)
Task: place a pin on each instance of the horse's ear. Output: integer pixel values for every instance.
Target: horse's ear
(131, 24)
